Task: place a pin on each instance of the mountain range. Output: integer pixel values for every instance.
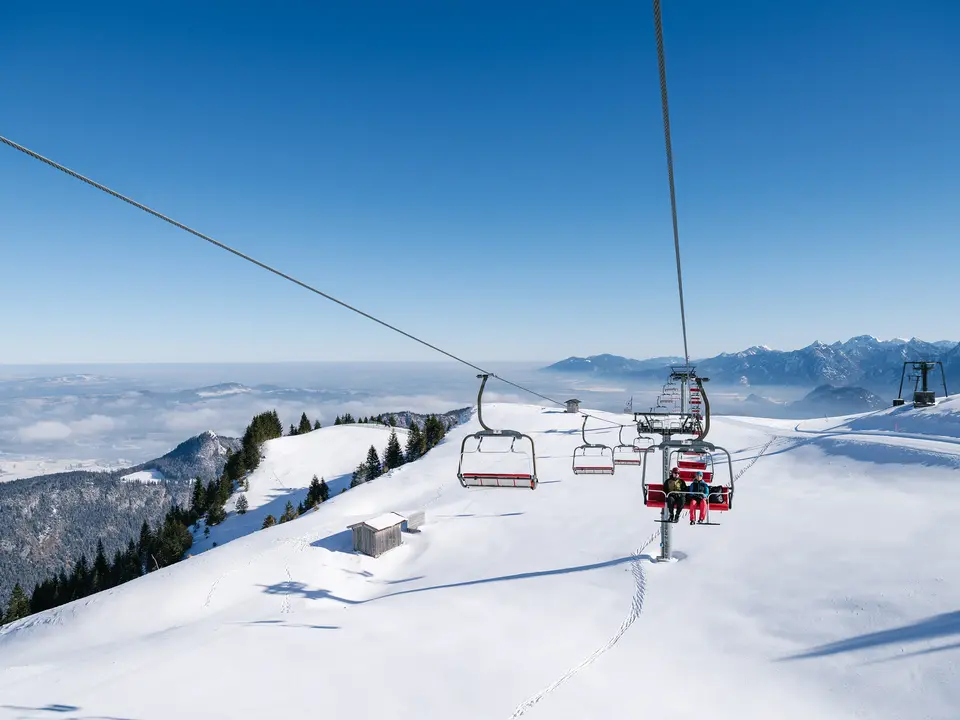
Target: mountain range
(863, 360)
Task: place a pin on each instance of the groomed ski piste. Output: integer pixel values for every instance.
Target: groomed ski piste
(829, 591)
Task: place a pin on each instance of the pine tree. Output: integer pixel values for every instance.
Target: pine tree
(313, 493)
(372, 464)
(359, 475)
(101, 569)
(242, 505)
(393, 457)
(316, 425)
(433, 431)
(213, 492)
(199, 504)
(82, 578)
(289, 513)
(293, 430)
(337, 421)
(269, 521)
(19, 605)
(393, 421)
(414, 442)
(305, 425)
(216, 515)
(324, 491)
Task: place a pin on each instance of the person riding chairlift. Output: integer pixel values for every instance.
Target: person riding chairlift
(677, 499)
(699, 492)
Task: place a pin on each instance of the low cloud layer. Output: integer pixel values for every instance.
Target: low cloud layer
(132, 413)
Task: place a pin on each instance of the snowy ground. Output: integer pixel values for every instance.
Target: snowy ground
(144, 476)
(826, 593)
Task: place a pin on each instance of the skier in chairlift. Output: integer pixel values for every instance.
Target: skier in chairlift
(677, 499)
(699, 492)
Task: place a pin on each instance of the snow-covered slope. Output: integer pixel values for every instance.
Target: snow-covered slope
(829, 592)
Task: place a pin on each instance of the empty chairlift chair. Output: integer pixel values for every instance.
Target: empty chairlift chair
(624, 454)
(592, 458)
(508, 466)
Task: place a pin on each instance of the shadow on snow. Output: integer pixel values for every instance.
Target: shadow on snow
(938, 626)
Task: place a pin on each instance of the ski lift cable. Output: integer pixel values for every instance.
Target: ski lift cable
(661, 62)
(285, 276)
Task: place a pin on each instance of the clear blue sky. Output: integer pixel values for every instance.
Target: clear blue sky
(490, 175)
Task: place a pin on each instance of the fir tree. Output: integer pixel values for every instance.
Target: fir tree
(19, 605)
(242, 505)
(324, 491)
(393, 421)
(216, 515)
(316, 425)
(372, 464)
(293, 430)
(305, 425)
(414, 442)
(393, 457)
(433, 431)
(289, 513)
(82, 578)
(213, 493)
(101, 569)
(359, 475)
(199, 504)
(337, 420)
(269, 521)
(313, 493)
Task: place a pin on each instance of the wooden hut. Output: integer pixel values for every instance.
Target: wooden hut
(573, 406)
(375, 536)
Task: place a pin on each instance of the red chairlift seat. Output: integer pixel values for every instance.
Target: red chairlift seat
(474, 478)
(595, 464)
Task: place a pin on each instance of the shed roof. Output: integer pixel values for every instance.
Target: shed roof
(573, 401)
(381, 522)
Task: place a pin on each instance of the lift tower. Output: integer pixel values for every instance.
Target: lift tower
(924, 397)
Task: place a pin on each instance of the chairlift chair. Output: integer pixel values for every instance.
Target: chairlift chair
(693, 456)
(624, 454)
(596, 464)
(486, 478)
(648, 448)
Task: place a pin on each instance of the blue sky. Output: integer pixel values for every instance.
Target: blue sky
(488, 175)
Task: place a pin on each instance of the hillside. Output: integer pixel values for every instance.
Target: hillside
(546, 603)
(862, 360)
(47, 522)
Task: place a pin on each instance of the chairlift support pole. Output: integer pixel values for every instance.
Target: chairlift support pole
(666, 547)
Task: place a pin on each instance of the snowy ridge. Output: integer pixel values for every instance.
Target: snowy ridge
(544, 603)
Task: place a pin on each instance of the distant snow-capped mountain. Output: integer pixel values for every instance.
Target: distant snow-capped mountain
(862, 360)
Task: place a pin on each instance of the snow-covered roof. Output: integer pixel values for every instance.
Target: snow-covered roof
(382, 522)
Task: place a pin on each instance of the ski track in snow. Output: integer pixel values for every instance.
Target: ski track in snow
(636, 606)
(285, 603)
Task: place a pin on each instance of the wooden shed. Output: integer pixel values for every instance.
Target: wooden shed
(573, 406)
(375, 536)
